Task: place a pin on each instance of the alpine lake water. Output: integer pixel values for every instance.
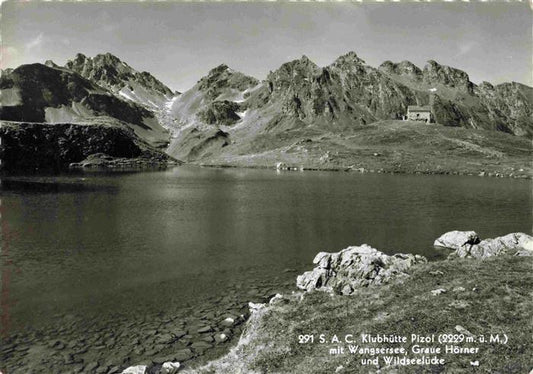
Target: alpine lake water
(102, 270)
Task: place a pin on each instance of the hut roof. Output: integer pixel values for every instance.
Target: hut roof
(416, 108)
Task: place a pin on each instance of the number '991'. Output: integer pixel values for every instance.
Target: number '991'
(303, 339)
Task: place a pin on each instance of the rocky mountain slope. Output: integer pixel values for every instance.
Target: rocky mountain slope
(201, 115)
(228, 115)
(231, 118)
(108, 71)
(52, 94)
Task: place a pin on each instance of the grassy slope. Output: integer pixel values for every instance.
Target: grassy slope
(402, 146)
(498, 298)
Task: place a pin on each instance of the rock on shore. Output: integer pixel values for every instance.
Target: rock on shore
(354, 267)
(468, 244)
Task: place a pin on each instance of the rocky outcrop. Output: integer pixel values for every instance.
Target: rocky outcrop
(404, 68)
(436, 74)
(354, 267)
(222, 79)
(220, 113)
(101, 160)
(457, 239)
(468, 244)
(38, 146)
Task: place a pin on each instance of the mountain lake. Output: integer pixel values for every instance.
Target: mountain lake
(97, 266)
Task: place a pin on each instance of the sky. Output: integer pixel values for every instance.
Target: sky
(179, 42)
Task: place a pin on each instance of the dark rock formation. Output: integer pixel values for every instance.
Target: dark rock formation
(37, 146)
(220, 113)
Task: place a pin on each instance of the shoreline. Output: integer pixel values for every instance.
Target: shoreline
(364, 171)
(257, 346)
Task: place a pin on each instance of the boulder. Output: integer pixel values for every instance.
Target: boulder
(354, 267)
(518, 244)
(228, 322)
(457, 239)
(139, 369)
(221, 338)
(169, 368)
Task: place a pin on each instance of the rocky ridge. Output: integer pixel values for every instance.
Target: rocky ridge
(109, 72)
(50, 94)
(301, 100)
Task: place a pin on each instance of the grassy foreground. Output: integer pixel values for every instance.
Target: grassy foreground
(491, 296)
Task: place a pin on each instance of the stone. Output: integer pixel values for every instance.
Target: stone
(205, 329)
(518, 244)
(461, 330)
(457, 239)
(438, 291)
(228, 322)
(354, 267)
(165, 338)
(208, 339)
(178, 334)
(169, 368)
(221, 338)
(183, 355)
(139, 369)
(200, 345)
(277, 299)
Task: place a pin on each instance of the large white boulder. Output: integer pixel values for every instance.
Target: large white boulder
(169, 368)
(457, 239)
(517, 243)
(139, 369)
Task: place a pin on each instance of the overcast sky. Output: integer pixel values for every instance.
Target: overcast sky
(181, 42)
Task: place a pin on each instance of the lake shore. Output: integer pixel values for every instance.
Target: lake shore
(482, 300)
(389, 147)
(389, 170)
(152, 338)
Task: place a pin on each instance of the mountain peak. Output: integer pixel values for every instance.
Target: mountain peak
(110, 72)
(446, 75)
(349, 58)
(108, 58)
(51, 64)
(219, 70)
(404, 68)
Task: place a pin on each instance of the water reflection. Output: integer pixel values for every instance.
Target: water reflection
(123, 242)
